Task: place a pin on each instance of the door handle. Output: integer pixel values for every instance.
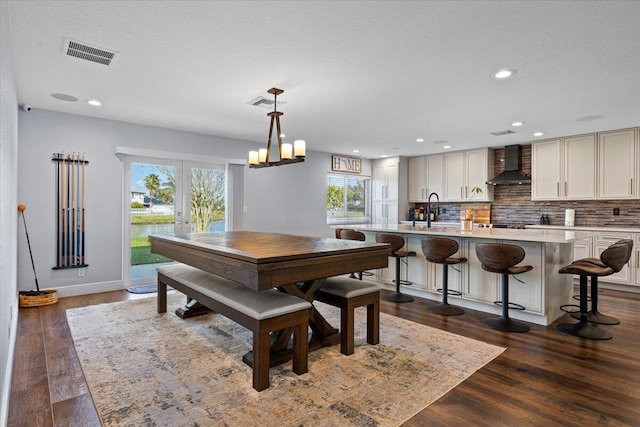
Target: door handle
(558, 189)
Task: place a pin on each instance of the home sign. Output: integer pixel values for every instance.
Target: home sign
(346, 164)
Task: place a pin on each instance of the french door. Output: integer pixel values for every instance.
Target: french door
(168, 196)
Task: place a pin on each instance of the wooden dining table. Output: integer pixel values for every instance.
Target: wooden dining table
(297, 265)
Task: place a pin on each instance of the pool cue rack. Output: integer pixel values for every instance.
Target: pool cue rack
(70, 210)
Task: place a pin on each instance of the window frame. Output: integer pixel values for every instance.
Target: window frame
(344, 218)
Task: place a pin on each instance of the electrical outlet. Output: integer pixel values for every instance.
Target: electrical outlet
(81, 272)
(616, 211)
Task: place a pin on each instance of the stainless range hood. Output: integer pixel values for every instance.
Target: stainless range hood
(512, 174)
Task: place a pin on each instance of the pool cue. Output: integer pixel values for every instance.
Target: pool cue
(64, 212)
(82, 224)
(57, 210)
(78, 209)
(68, 224)
(72, 251)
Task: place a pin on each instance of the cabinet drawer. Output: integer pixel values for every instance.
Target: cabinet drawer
(610, 238)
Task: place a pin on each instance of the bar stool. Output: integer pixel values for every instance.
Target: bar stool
(502, 259)
(397, 243)
(353, 235)
(593, 315)
(611, 261)
(438, 250)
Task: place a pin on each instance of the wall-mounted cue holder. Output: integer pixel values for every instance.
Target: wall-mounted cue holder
(70, 210)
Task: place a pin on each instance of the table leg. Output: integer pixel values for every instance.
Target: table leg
(323, 334)
(191, 309)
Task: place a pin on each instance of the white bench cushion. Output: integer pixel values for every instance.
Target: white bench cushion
(347, 288)
(257, 305)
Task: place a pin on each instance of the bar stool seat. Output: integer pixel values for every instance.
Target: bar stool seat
(611, 261)
(397, 243)
(438, 250)
(502, 259)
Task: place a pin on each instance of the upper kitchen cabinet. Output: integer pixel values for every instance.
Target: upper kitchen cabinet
(389, 203)
(386, 177)
(426, 175)
(564, 168)
(465, 170)
(618, 164)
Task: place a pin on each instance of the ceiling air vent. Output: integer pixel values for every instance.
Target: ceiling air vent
(502, 132)
(89, 52)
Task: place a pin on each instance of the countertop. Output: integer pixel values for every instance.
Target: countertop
(586, 228)
(546, 235)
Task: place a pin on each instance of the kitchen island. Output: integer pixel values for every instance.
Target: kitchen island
(542, 291)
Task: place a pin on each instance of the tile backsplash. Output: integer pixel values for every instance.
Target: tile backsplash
(512, 204)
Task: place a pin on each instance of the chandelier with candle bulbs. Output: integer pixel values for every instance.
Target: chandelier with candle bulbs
(287, 153)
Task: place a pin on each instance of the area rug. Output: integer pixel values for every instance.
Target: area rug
(145, 289)
(145, 368)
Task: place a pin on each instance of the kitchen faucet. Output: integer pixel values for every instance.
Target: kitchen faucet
(429, 208)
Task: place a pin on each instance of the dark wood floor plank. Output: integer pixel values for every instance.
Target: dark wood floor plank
(544, 378)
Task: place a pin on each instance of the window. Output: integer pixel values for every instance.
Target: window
(347, 199)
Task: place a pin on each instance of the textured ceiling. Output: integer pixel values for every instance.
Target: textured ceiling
(372, 76)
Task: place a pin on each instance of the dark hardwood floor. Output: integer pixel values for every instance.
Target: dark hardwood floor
(544, 378)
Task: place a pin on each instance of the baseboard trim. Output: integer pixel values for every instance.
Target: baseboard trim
(6, 387)
(89, 288)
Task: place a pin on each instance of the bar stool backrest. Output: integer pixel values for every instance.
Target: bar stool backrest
(498, 257)
(352, 235)
(436, 249)
(338, 232)
(617, 255)
(396, 242)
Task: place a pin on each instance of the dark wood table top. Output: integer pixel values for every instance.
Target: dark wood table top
(264, 260)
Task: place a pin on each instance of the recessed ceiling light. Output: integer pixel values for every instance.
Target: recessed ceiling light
(420, 140)
(64, 97)
(282, 135)
(447, 146)
(538, 134)
(94, 102)
(517, 124)
(503, 74)
(384, 155)
(356, 151)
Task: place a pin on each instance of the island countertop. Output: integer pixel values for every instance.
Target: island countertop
(523, 235)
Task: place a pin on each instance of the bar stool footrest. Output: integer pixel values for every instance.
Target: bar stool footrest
(450, 292)
(512, 305)
(403, 282)
(566, 309)
(577, 298)
(597, 317)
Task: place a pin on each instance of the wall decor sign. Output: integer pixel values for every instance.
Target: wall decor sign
(346, 164)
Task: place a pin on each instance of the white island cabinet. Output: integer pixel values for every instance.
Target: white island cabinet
(541, 291)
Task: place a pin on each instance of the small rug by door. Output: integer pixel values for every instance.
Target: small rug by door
(145, 368)
(143, 289)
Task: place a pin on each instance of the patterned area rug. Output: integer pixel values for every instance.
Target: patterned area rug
(145, 368)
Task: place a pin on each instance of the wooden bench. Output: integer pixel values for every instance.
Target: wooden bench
(348, 294)
(261, 312)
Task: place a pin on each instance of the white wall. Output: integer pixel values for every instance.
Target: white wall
(8, 209)
(288, 199)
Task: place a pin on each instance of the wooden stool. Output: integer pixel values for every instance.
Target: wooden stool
(438, 250)
(348, 295)
(502, 259)
(397, 243)
(611, 261)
